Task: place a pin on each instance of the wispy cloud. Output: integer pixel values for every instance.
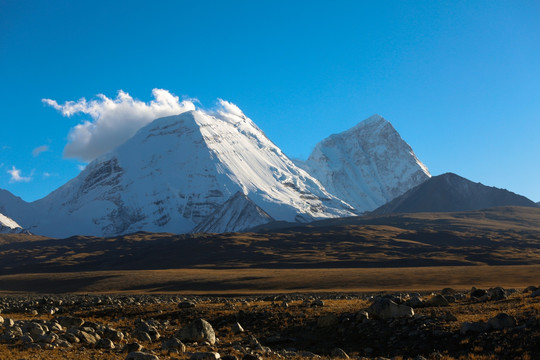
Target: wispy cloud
(16, 176)
(40, 149)
(113, 121)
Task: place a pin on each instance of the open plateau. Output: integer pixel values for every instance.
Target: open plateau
(198, 238)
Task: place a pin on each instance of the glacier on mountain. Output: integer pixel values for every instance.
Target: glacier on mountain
(174, 173)
(9, 226)
(367, 165)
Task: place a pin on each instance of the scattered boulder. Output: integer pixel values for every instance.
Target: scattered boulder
(497, 293)
(387, 309)
(174, 343)
(361, 315)
(502, 321)
(132, 347)
(86, 338)
(448, 291)
(477, 293)
(70, 321)
(237, 328)
(437, 300)
(198, 331)
(476, 327)
(416, 302)
(106, 344)
(186, 305)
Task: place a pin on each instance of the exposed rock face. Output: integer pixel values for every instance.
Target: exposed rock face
(387, 309)
(236, 214)
(450, 192)
(368, 165)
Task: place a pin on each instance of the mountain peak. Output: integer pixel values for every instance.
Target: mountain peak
(369, 164)
(176, 172)
(373, 119)
(450, 192)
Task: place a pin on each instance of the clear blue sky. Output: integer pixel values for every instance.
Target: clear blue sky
(458, 79)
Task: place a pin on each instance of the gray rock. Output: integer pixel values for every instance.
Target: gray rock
(105, 344)
(26, 339)
(174, 343)
(132, 347)
(35, 329)
(476, 327)
(361, 315)
(113, 334)
(70, 321)
(497, 293)
(387, 309)
(535, 293)
(186, 305)
(477, 293)
(137, 355)
(86, 338)
(48, 338)
(502, 321)
(142, 336)
(437, 300)
(237, 328)
(198, 331)
(72, 338)
(415, 302)
(63, 343)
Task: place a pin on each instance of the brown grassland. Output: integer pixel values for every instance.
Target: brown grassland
(338, 260)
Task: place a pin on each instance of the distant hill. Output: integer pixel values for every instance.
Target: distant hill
(497, 236)
(450, 192)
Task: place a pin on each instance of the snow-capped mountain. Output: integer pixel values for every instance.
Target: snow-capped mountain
(174, 173)
(9, 226)
(367, 165)
(236, 214)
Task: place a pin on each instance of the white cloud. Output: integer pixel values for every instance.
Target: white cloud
(17, 177)
(40, 149)
(81, 167)
(114, 120)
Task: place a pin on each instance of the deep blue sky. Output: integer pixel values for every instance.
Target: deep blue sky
(459, 79)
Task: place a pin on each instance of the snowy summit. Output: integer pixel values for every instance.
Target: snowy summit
(368, 165)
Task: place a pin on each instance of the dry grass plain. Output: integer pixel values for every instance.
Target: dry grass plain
(266, 281)
(499, 246)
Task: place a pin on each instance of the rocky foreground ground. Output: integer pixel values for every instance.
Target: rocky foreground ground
(492, 323)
